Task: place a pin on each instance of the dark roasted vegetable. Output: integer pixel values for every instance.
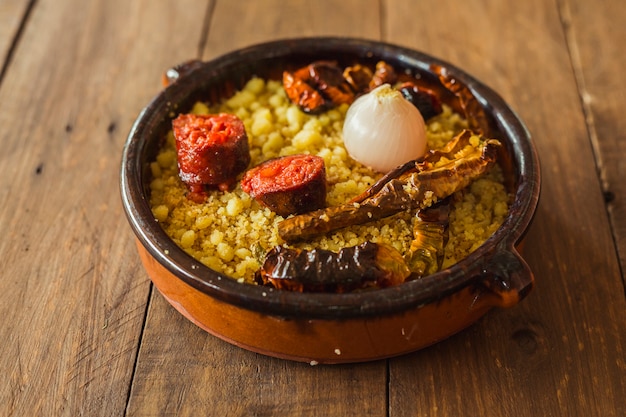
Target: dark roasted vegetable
(430, 235)
(368, 265)
(426, 102)
(317, 87)
(359, 77)
(471, 108)
(303, 94)
(383, 74)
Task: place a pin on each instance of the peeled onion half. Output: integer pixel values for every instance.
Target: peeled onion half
(383, 130)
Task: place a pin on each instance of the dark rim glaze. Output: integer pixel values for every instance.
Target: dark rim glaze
(221, 77)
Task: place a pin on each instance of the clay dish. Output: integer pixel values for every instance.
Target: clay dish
(330, 328)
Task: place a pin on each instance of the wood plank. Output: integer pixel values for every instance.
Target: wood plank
(183, 371)
(532, 359)
(597, 38)
(76, 295)
(72, 284)
(265, 20)
(12, 15)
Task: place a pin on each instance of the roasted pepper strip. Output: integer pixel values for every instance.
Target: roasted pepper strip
(430, 231)
(369, 265)
(429, 181)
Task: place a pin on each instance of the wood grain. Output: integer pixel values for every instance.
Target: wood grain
(12, 16)
(596, 38)
(184, 371)
(568, 247)
(237, 24)
(71, 280)
(83, 331)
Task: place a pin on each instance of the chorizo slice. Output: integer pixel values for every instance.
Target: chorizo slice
(287, 185)
(212, 150)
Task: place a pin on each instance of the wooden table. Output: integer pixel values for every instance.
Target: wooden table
(83, 331)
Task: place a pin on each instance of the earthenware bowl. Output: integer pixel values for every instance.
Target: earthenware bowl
(330, 328)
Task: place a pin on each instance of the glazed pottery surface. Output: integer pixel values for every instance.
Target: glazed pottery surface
(330, 328)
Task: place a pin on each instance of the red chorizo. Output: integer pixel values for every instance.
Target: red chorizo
(212, 149)
(288, 185)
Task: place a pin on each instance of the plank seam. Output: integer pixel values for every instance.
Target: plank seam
(388, 388)
(382, 13)
(584, 95)
(18, 35)
(565, 17)
(206, 27)
(139, 343)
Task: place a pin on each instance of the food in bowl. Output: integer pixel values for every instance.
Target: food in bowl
(231, 231)
(329, 327)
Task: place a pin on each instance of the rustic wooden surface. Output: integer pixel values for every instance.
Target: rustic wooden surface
(83, 331)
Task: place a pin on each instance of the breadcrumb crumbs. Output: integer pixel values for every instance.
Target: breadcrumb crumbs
(226, 232)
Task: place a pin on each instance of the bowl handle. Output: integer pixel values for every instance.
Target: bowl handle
(173, 74)
(507, 277)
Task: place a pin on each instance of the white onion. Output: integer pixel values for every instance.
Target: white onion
(383, 130)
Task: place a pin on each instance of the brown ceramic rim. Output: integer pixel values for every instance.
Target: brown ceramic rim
(496, 265)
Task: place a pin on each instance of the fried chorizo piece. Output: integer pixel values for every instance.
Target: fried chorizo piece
(287, 185)
(212, 150)
(369, 265)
